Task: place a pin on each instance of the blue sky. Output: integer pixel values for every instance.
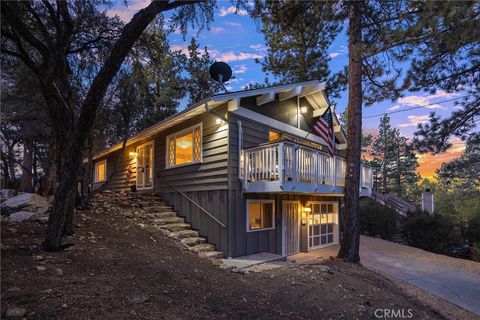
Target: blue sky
(233, 38)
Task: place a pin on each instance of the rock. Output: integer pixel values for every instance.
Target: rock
(325, 269)
(47, 291)
(6, 193)
(37, 258)
(139, 299)
(216, 262)
(240, 271)
(14, 289)
(40, 268)
(15, 312)
(64, 306)
(25, 202)
(59, 271)
(20, 216)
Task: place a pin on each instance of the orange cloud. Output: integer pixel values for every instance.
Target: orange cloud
(429, 163)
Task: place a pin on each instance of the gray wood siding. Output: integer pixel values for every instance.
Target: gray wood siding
(242, 242)
(205, 183)
(284, 111)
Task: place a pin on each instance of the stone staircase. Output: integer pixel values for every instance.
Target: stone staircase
(160, 215)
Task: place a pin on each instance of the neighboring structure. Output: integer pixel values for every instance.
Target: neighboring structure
(242, 159)
(427, 201)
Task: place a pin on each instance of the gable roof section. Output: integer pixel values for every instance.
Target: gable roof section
(313, 91)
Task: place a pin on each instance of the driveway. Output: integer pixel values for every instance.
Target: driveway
(455, 280)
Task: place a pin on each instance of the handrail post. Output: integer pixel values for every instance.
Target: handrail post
(334, 172)
(281, 170)
(294, 164)
(245, 166)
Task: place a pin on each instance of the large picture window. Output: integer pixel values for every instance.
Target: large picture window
(260, 215)
(101, 171)
(184, 147)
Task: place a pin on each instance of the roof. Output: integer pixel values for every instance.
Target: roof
(313, 91)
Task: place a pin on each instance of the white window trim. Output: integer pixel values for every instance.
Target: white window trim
(248, 214)
(178, 133)
(96, 172)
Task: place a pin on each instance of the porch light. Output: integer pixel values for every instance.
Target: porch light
(219, 121)
(305, 211)
(132, 154)
(303, 109)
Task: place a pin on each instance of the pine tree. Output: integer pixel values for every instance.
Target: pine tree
(384, 151)
(297, 47)
(199, 84)
(447, 58)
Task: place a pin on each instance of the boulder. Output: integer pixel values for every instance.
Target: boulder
(25, 202)
(6, 193)
(20, 216)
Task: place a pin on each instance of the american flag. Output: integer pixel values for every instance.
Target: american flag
(324, 128)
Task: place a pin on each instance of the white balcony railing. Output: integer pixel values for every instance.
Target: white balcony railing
(287, 166)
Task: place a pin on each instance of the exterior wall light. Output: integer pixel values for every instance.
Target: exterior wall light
(305, 212)
(132, 154)
(303, 109)
(218, 121)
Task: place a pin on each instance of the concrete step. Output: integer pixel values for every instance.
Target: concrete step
(203, 247)
(159, 208)
(211, 254)
(174, 227)
(192, 241)
(183, 234)
(161, 215)
(169, 220)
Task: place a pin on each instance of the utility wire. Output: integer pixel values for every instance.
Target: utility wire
(412, 108)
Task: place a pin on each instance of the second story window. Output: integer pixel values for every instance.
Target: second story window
(184, 147)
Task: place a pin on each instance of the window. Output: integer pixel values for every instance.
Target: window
(260, 215)
(273, 136)
(101, 171)
(184, 147)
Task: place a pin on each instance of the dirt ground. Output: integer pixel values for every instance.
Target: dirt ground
(120, 270)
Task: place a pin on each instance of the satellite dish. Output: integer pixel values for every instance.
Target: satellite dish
(220, 72)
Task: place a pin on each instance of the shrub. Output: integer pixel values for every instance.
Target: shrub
(377, 219)
(472, 232)
(435, 233)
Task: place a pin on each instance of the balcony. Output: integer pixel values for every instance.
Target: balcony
(290, 167)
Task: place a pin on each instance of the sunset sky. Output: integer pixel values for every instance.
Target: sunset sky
(233, 38)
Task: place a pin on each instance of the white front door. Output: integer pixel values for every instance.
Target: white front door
(322, 224)
(145, 166)
(291, 227)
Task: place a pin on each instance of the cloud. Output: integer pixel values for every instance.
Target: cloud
(429, 163)
(183, 48)
(414, 121)
(232, 10)
(234, 24)
(125, 13)
(217, 29)
(427, 101)
(239, 69)
(260, 48)
(395, 107)
(233, 56)
(343, 50)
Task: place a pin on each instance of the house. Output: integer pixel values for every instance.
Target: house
(238, 168)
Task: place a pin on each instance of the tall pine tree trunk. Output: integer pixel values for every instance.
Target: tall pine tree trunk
(350, 243)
